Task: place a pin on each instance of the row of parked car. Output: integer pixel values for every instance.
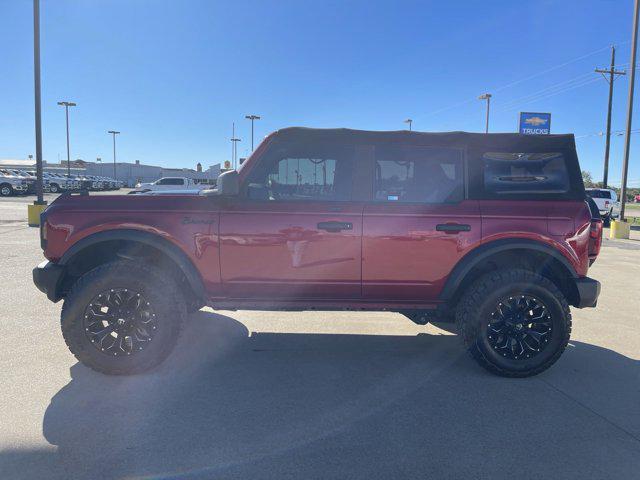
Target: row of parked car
(14, 182)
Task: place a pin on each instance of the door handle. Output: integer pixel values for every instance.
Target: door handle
(453, 228)
(335, 226)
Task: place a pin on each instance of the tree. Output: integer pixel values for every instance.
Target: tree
(587, 179)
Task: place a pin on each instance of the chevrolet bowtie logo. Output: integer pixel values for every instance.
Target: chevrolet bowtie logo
(535, 121)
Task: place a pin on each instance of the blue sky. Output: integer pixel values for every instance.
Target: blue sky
(173, 75)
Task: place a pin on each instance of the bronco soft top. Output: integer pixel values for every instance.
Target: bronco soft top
(476, 145)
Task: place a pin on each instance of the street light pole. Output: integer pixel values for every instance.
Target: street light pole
(410, 122)
(37, 97)
(66, 106)
(234, 148)
(487, 97)
(114, 133)
(627, 139)
(252, 118)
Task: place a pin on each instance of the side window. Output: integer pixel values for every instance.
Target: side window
(525, 173)
(418, 174)
(309, 172)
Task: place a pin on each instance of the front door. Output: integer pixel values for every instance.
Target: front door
(294, 232)
(419, 224)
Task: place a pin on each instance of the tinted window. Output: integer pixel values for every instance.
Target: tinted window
(311, 172)
(171, 181)
(418, 174)
(599, 193)
(529, 173)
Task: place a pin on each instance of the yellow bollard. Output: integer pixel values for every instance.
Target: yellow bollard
(619, 229)
(33, 213)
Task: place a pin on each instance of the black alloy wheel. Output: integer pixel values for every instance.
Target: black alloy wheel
(519, 327)
(120, 321)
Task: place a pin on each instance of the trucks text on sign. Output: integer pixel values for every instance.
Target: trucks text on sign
(535, 123)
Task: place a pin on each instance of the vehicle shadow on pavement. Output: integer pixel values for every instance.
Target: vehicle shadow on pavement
(230, 404)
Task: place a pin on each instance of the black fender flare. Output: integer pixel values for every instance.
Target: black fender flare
(477, 255)
(172, 251)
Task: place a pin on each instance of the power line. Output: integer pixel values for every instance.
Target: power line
(552, 94)
(522, 80)
(552, 87)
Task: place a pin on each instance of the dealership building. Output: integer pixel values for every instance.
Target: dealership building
(129, 173)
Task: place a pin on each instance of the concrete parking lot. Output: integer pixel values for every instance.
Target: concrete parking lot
(316, 395)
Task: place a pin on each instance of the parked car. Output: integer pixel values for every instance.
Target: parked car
(169, 183)
(57, 182)
(492, 231)
(31, 180)
(12, 184)
(607, 201)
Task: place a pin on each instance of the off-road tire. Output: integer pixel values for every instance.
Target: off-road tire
(480, 299)
(161, 292)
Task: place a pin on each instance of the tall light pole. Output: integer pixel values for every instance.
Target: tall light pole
(66, 106)
(252, 118)
(409, 121)
(487, 97)
(114, 133)
(627, 138)
(234, 148)
(38, 101)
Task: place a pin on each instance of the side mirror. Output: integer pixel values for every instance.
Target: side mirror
(228, 183)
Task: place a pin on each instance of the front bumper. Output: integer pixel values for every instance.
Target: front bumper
(46, 277)
(588, 292)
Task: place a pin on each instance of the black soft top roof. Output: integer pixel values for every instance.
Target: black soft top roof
(486, 141)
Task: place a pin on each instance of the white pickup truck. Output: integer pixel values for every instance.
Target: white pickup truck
(606, 200)
(174, 184)
(11, 184)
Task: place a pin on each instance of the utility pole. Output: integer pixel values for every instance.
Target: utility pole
(611, 72)
(252, 118)
(114, 133)
(66, 106)
(234, 148)
(409, 121)
(627, 138)
(487, 97)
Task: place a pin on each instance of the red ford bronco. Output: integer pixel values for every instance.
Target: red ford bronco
(492, 231)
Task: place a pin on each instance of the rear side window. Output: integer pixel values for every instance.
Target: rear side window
(418, 174)
(525, 173)
(599, 193)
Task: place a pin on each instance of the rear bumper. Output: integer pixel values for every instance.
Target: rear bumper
(588, 292)
(46, 277)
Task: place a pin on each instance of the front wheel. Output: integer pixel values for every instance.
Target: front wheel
(6, 190)
(122, 317)
(515, 323)
(53, 188)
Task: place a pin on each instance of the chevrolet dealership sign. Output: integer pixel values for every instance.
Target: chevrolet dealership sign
(535, 123)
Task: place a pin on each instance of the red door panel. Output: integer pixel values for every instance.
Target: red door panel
(277, 250)
(405, 256)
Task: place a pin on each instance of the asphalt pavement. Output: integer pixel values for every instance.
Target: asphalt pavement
(316, 395)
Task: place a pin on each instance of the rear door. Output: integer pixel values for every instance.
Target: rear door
(294, 233)
(418, 225)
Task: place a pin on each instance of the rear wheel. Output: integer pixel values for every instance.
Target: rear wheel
(53, 188)
(122, 317)
(515, 323)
